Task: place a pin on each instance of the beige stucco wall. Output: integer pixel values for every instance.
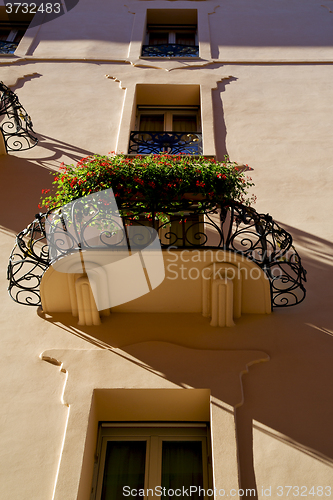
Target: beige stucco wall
(265, 76)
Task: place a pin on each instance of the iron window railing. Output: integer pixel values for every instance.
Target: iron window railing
(171, 142)
(170, 50)
(7, 47)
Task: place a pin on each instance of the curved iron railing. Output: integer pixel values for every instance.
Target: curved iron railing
(7, 47)
(16, 127)
(188, 224)
(171, 142)
(170, 50)
(28, 261)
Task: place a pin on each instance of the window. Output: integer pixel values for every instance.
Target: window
(171, 33)
(12, 30)
(171, 129)
(149, 458)
(178, 119)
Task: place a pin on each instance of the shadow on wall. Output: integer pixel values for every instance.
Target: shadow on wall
(22, 180)
(21, 184)
(50, 149)
(243, 25)
(291, 394)
(219, 123)
(294, 399)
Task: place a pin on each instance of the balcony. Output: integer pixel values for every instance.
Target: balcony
(117, 222)
(170, 50)
(174, 143)
(8, 47)
(220, 230)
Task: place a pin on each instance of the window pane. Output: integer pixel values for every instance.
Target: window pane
(4, 34)
(157, 38)
(185, 38)
(184, 123)
(182, 466)
(124, 466)
(152, 123)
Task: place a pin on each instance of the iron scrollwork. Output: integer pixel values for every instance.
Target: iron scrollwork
(170, 50)
(170, 142)
(8, 47)
(186, 224)
(16, 126)
(261, 239)
(28, 261)
(89, 223)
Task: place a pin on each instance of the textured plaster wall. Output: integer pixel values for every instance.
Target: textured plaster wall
(107, 34)
(278, 119)
(266, 77)
(261, 29)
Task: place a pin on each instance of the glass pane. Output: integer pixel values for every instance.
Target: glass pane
(4, 34)
(124, 466)
(185, 38)
(184, 123)
(182, 467)
(152, 123)
(158, 38)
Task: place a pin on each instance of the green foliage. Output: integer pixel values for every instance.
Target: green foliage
(152, 180)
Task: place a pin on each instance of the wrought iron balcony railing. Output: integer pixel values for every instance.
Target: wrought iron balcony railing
(16, 126)
(187, 224)
(173, 143)
(170, 50)
(8, 47)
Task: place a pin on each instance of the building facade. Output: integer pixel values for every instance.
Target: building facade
(243, 410)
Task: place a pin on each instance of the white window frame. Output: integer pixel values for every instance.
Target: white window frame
(154, 434)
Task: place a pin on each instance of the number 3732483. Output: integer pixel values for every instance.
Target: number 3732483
(304, 491)
(32, 8)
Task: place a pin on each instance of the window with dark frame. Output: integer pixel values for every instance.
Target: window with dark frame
(12, 30)
(171, 33)
(154, 457)
(172, 129)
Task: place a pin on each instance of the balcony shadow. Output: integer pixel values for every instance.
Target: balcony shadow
(50, 149)
(22, 179)
(290, 394)
(22, 182)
